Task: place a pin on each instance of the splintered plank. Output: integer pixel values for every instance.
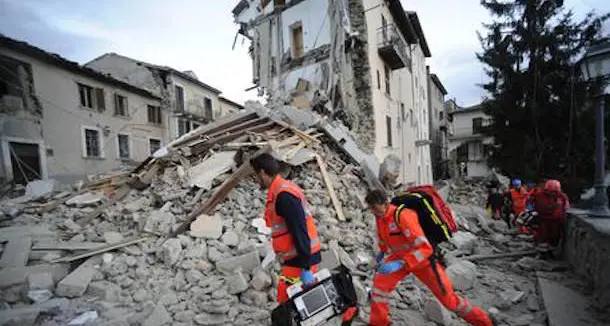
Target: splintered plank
(100, 250)
(330, 188)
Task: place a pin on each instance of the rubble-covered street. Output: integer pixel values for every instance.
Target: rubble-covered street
(101, 254)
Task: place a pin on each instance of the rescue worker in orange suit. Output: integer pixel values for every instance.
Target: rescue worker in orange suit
(551, 204)
(294, 236)
(410, 252)
(518, 196)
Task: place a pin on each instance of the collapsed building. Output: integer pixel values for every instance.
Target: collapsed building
(360, 62)
(180, 240)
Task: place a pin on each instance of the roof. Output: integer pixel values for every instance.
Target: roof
(222, 98)
(438, 83)
(243, 4)
(181, 74)
(419, 32)
(476, 107)
(57, 60)
(400, 19)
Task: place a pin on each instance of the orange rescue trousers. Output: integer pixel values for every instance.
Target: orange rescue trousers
(289, 273)
(384, 284)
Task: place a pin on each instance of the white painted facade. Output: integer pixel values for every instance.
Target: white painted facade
(60, 131)
(473, 144)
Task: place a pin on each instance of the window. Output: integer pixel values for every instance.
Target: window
(123, 146)
(184, 126)
(179, 97)
(402, 111)
(154, 114)
(384, 29)
(462, 153)
(297, 39)
(378, 80)
(412, 117)
(92, 142)
(154, 145)
(387, 79)
(100, 99)
(86, 95)
(388, 126)
(441, 115)
(477, 125)
(120, 105)
(207, 105)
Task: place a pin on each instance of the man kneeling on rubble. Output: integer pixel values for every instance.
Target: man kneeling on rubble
(294, 235)
(410, 253)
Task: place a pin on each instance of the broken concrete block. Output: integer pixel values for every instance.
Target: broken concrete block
(76, 283)
(261, 226)
(361, 291)
(160, 222)
(436, 312)
(71, 225)
(104, 290)
(208, 227)
(112, 237)
(158, 317)
(247, 262)
(509, 297)
(530, 264)
(39, 296)
(230, 238)
(170, 251)
(40, 281)
(260, 280)
(464, 241)
(41, 188)
(330, 259)
(86, 199)
(16, 252)
(19, 316)
(84, 318)
(463, 274)
(237, 283)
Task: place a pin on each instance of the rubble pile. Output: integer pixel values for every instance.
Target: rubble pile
(180, 240)
(468, 192)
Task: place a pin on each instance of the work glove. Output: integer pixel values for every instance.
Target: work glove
(307, 277)
(379, 257)
(391, 267)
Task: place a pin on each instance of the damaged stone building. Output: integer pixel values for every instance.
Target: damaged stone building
(359, 61)
(439, 127)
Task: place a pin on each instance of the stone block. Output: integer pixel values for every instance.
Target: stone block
(330, 259)
(40, 281)
(260, 280)
(170, 251)
(247, 262)
(16, 252)
(86, 199)
(436, 312)
(112, 237)
(104, 290)
(206, 226)
(230, 238)
(158, 317)
(76, 283)
(20, 316)
(464, 241)
(160, 222)
(41, 188)
(463, 275)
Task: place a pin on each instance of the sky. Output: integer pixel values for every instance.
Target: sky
(198, 35)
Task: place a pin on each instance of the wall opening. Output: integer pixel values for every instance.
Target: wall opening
(296, 39)
(25, 162)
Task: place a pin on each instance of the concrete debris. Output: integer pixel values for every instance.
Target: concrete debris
(462, 274)
(16, 252)
(76, 283)
(208, 227)
(237, 283)
(158, 317)
(39, 296)
(160, 222)
(202, 174)
(230, 239)
(464, 241)
(84, 318)
(41, 188)
(170, 251)
(261, 226)
(436, 312)
(86, 199)
(247, 262)
(260, 280)
(40, 281)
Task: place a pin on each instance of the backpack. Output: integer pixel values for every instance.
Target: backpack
(436, 219)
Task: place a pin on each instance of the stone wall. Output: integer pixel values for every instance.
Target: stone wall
(587, 249)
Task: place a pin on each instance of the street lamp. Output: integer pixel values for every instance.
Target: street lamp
(596, 67)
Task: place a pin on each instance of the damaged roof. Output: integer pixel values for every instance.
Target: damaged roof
(414, 20)
(402, 21)
(224, 99)
(57, 60)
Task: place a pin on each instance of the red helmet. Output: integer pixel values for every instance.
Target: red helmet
(552, 185)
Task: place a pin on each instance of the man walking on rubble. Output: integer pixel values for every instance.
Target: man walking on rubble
(294, 236)
(410, 252)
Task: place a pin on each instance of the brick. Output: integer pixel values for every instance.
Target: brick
(247, 262)
(40, 281)
(16, 252)
(76, 283)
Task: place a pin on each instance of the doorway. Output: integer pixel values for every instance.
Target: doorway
(25, 162)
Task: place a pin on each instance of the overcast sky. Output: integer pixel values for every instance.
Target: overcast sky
(198, 35)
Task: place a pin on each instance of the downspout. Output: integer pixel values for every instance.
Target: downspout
(413, 105)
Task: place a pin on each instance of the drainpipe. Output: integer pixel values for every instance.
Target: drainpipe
(413, 101)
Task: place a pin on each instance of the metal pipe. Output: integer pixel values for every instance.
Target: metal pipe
(600, 201)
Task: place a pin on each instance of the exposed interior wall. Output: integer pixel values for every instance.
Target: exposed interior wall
(127, 70)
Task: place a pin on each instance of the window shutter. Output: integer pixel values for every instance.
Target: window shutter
(101, 100)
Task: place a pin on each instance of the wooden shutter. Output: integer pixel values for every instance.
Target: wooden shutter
(100, 98)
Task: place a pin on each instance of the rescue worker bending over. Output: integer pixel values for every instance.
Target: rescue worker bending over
(294, 236)
(551, 204)
(410, 252)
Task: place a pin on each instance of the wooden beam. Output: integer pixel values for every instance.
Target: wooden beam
(306, 137)
(330, 188)
(216, 127)
(100, 250)
(204, 146)
(221, 192)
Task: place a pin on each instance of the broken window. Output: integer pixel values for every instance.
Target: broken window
(154, 114)
(179, 97)
(154, 145)
(86, 95)
(93, 146)
(388, 125)
(207, 105)
(123, 144)
(386, 69)
(297, 39)
(120, 105)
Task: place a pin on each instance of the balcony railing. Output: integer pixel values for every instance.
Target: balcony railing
(392, 48)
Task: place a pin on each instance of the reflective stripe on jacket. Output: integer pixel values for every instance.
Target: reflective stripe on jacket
(281, 239)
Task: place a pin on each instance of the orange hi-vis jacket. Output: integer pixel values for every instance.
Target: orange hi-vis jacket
(281, 239)
(519, 198)
(405, 240)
